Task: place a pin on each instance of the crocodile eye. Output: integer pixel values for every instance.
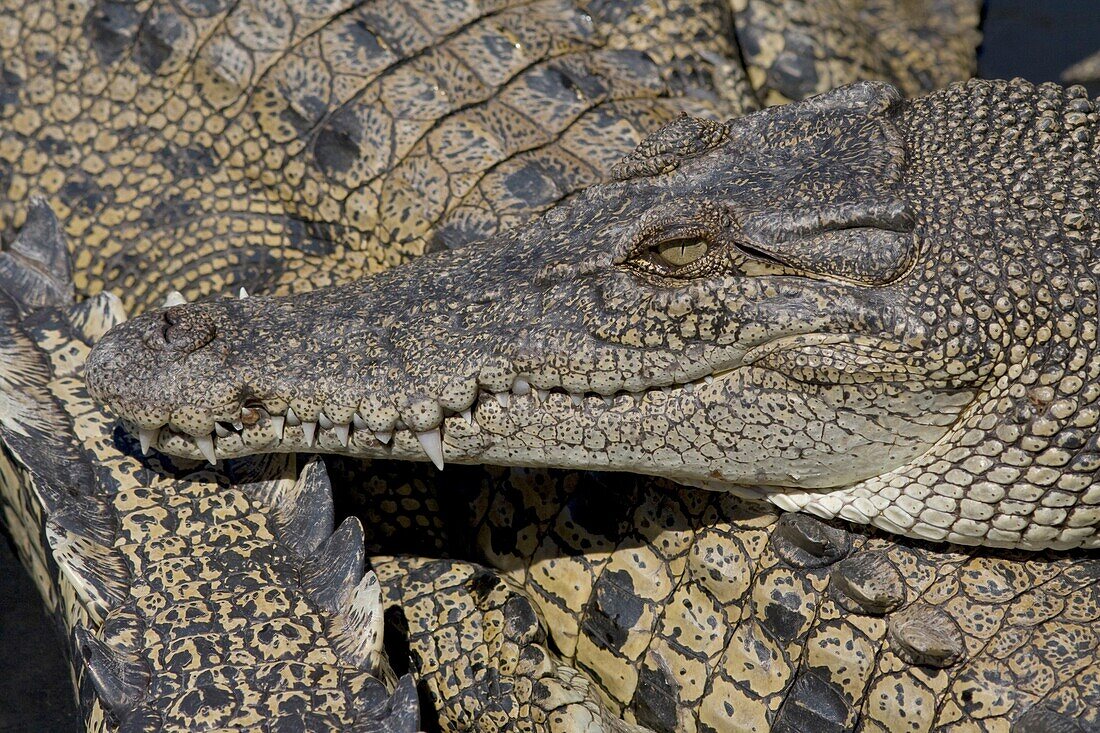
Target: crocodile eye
(681, 252)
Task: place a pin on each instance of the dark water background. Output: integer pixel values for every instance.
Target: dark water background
(1035, 39)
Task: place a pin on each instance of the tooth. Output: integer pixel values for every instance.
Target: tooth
(521, 386)
(577, 400)
(325, 422)
(221, 430)
(543, 394)
(206, 447)
(689, 387)
(384, 436)
(708, 379)
(358, 422)
(503, 398)
(277, 422)
(342, 431)
(468, 413)
(432, 443)
(147, 437)
(238, 425)
(292, 419)
(174, 298)
(608, 400)
(310, 429)
(242, 293)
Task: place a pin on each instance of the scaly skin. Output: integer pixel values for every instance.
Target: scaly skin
(873, 309)
(696, 611)
(203, 600)
(202, 146)
(176, 143)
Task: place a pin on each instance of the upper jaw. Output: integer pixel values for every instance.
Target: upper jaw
(466, 421)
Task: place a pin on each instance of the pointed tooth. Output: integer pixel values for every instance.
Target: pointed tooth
(383, 436)
(503, 398)
(206, 447)
(242, 293)
(278, 422)
(432, 443)
(292, 419)
(521, 386)
(147, 438)
(174, 298)
(343, 430)
(238, 425)
(310, 430)
(608, 400)
(708, 379)
(325, 423)
(468, 413)
(543, 394)
(576, 399)
(221, 430)
(689, 387)
(358, 422)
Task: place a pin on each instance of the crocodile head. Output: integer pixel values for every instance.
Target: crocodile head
(796, 304)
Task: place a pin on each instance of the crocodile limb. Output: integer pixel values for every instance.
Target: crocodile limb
(855, 306)
(216, 598)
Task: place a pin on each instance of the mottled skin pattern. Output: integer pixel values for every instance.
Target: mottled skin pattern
(699, 611)
(190, 597)
(873, 309)
(201, 145)
(205, 144)
(161, 135)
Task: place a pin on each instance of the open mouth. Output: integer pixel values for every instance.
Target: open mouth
(257, 429)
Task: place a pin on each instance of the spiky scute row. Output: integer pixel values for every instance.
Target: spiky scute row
(191, 601)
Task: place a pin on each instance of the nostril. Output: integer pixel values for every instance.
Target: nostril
(182, 329)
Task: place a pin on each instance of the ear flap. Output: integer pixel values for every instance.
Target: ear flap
(829, 172)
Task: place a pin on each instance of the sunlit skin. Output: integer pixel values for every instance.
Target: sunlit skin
(803, 305)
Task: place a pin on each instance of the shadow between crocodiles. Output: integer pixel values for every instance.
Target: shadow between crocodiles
(855, 306)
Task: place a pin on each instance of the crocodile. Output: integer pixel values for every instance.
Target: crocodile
(698, 609)
(812, 304)
(203, 146)
(680, 609)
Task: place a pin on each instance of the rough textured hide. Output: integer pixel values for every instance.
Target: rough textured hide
(855, 306)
